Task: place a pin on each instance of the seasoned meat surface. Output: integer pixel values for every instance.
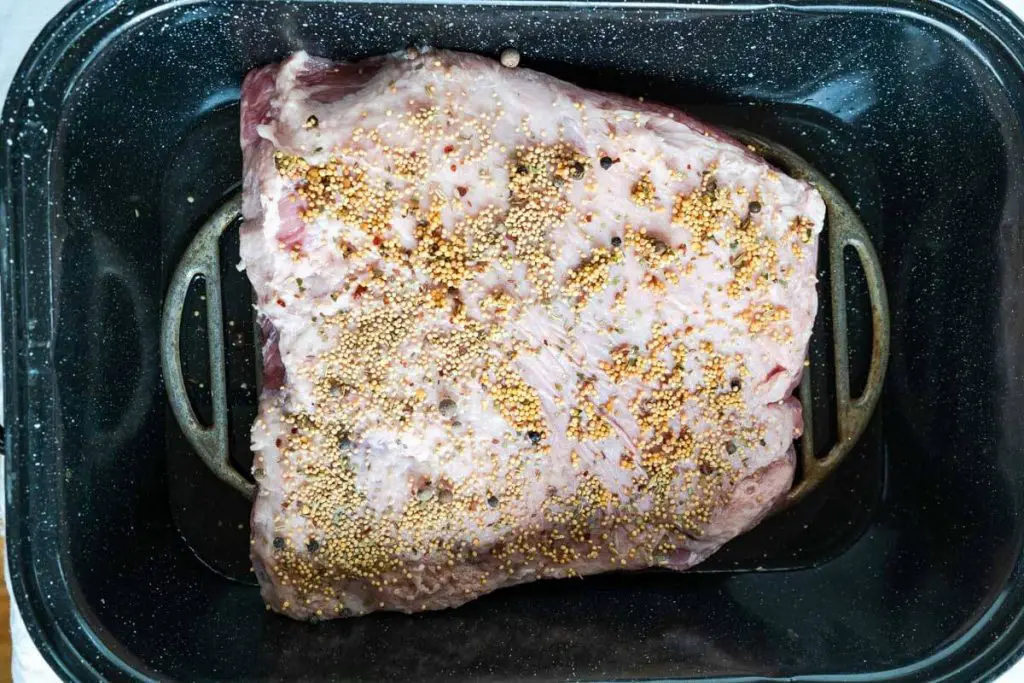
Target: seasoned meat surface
(514, 330)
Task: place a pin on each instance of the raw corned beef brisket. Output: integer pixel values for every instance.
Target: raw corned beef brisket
(514, 330)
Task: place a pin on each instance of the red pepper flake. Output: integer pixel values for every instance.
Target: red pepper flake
(277, 442)
(377, 240)
(462, 190)
(281, 303)
(448, 149)
(360, 290)
(453, 167)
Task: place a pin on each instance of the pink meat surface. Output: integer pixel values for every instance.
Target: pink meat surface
(514, 330)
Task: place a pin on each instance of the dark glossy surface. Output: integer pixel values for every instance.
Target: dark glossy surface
(124, 111)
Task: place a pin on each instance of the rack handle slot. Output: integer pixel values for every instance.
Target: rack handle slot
(202, 259)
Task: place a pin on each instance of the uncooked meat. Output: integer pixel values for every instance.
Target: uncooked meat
(513, 330)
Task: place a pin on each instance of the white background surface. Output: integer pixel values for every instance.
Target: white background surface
(20, 22)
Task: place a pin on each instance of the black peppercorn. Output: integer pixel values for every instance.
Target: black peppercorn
(278, 543)
(606, 163)
(754, 207)
(447, 407)
(616, 241)
(313, 545)
(577, 171)
(533, 436)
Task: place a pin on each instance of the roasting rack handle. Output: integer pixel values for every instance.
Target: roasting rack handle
(853, 413)
(844, 230)
(202, 259)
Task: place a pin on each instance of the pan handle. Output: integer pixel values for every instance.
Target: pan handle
(853, 414)
(202, 259)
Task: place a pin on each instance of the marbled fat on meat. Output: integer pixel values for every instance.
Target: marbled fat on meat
(514, 330)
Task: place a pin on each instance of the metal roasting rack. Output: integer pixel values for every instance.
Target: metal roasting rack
(842, 227)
